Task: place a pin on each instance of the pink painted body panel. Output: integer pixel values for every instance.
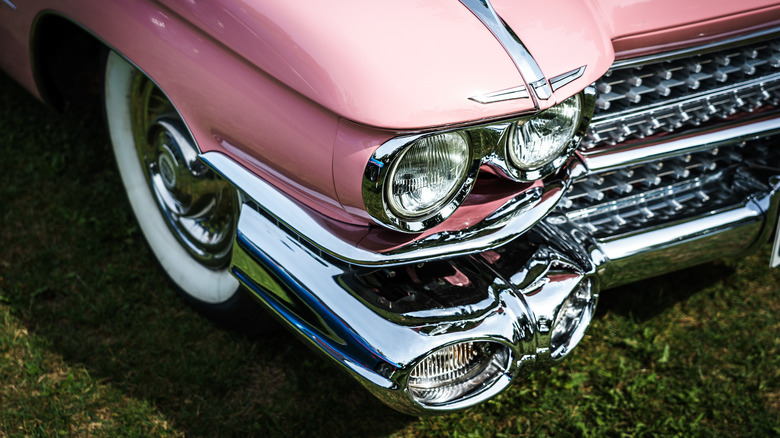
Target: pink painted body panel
(633, 17)
(301, 93)
(567, 42)
(698, 33)
(398, 65)
(228, 104)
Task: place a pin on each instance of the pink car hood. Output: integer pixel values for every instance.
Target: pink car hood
(414, 64)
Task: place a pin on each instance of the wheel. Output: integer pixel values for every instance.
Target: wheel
(186, 212)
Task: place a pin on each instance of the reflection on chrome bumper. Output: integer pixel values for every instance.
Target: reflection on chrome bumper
(530, 299)
(380, 347)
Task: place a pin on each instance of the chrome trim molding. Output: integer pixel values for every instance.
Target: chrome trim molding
(699, 50)
(9, 4)
(523, 60)
(514, 218)
(520, 92)
(489, 146)
(599, 160)
(541, 88)
(566, 78)
(303, 290)
(648, 253)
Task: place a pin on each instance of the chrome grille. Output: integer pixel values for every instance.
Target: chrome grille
(641, 196)
(638, 101)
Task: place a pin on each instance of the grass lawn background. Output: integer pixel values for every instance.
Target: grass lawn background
(94, 342)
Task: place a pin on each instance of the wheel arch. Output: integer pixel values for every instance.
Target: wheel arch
(66, 61)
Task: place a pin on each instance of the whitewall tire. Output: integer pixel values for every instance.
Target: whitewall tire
(186, 213)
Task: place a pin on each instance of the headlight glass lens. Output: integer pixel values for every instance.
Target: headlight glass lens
(428, 173)
(536, 141)
(457, 371)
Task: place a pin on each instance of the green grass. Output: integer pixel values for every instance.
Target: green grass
(94, 342)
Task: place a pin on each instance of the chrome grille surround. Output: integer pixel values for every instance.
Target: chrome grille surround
(641, 98)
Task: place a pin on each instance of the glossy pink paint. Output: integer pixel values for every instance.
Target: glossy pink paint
(636, 17)
(228, 103)
(698, 33)
(301, 93)
(397, 65)
(561, 44)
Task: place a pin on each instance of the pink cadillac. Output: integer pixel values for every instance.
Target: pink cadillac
(430, 193)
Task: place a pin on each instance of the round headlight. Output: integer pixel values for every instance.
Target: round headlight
(458, 371)
(428, 174)
(540, 139)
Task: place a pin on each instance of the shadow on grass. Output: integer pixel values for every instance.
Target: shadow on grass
(645, 299)
(75, 271)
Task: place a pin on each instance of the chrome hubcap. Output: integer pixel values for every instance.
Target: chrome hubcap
(199, 207)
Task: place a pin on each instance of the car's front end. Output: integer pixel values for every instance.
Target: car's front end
(433, 195)
(676, 164)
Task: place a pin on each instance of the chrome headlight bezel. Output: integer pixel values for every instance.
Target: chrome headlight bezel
(378, 179)
(487, 146)
(503, 162)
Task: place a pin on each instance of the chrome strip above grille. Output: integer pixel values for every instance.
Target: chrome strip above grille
(699, 50)
(599, 160)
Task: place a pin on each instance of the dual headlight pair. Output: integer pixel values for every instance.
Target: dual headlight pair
(414, 183)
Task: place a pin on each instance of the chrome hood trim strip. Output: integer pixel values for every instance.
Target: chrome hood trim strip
(525, 63)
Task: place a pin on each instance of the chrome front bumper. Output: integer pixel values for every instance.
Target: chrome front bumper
(510, 286)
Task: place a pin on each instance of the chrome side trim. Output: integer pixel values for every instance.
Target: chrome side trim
(520, 92)
(514, 218)
(542, 89)
(523, 60)
(9, 4)
(597, 160)
(566, 78)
